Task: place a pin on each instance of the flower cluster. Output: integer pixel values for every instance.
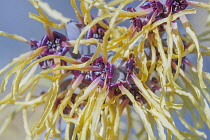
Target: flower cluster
(159, 11)
(142, 73)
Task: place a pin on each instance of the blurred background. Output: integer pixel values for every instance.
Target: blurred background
(14, 20)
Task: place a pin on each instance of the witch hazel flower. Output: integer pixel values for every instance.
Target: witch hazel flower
(97, 31)
(176, 5)
(141, 74)
(56, 45)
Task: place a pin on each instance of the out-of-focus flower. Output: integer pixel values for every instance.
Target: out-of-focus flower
(141, 73)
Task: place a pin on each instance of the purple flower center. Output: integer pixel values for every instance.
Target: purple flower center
(104, 70)
(96, 32)
(137, 23)
(156, 5)
(53, 47)
(176, 5)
